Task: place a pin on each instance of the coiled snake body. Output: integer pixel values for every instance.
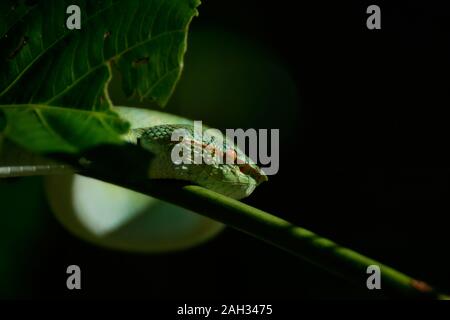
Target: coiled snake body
(152, 130)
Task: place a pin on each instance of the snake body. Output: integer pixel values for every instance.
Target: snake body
(152, 130)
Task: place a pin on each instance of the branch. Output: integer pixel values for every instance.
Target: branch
(301, 242)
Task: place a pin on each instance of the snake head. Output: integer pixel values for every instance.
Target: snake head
(237, 178)
(246, 175)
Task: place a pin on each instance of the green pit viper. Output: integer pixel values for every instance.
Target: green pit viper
(152, 130)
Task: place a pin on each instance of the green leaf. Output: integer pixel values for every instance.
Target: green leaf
(53, 81)
(56, 129)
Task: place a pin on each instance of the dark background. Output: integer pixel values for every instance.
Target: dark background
(363, 157)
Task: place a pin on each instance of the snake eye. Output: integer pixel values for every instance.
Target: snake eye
(247, 169)
(253, 171)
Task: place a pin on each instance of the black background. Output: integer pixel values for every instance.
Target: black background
(368, 168)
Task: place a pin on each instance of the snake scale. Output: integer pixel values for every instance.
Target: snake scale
(152, 131)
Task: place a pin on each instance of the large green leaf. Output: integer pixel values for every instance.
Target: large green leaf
(53, 81)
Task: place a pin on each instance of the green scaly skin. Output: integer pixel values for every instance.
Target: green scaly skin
(236, 180)
(152, 130)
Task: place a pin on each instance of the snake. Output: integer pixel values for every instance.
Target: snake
(152, 131)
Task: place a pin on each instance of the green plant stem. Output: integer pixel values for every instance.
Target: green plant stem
(283, 234)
